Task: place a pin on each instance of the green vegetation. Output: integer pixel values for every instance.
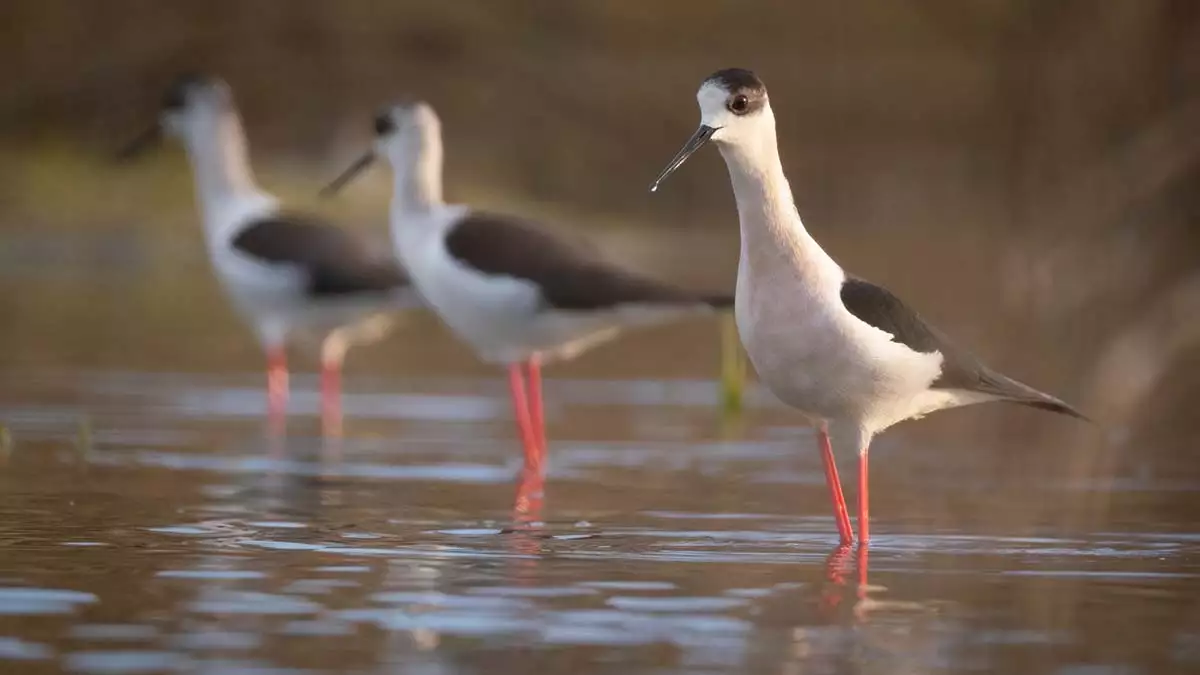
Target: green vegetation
(733, 366)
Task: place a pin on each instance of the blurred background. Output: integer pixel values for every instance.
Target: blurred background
(1025, 172)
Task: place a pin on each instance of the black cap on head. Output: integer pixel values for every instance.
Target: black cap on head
(384, 124)
(738, 80)
(175, 97)
(747, 93)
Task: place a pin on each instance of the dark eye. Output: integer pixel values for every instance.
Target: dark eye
(739, 104)
(384, 125)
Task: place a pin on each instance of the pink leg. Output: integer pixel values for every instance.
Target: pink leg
(516, 385)
(835, 574)
(863, 559)
(835, 489)
(527, 508)
(526, 532)
(864, 519)
(537, 419)
(331, 397)
(277, 386)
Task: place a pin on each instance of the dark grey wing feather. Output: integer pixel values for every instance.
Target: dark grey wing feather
(335, 261)
(878, 307)
(568, 276)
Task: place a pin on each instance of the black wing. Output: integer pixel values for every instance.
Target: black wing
(569, 277)
(335, 261)
(878, 307)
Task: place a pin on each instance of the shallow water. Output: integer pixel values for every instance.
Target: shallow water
(148, 525)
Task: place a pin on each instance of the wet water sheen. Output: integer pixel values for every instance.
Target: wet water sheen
(147, 525)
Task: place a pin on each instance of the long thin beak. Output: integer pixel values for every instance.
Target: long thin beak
(348, 175)
(693, 144)
(150, 138)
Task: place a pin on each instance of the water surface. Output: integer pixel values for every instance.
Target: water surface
(149, 526)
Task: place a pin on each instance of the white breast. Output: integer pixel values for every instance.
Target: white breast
(489, 312)
(273, 297)
(503, 318)
(254, 287)
(816, 356)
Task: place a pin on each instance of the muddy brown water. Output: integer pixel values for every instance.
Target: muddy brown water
(148, 524)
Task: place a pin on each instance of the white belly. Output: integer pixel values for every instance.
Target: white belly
(814, 355)
(274, 299)
(502, 318)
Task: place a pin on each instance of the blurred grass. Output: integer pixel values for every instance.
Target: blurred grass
(543, 97)
(733, 367)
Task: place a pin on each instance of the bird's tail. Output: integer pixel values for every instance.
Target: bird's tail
(1020, 393)
(1054, 405)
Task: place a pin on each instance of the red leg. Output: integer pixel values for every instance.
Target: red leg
(845, 532)
(527, 508)
(331, 397)
(863, 560)
(537, 419)
(277, 386)
(516, 385)
(864, 519)
(835, 574)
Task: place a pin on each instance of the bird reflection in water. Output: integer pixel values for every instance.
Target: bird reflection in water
(837, 570)
(530, 498)
(525, 536)
(331, 417)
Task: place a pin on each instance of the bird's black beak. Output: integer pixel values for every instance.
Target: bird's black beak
(348, 175)
(148, 139)
(693, 144)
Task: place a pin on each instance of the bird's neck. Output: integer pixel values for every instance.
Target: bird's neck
(418, 176)
(220, 162)
(774, 239)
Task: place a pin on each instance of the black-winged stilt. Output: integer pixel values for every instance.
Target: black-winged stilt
(848, 354)
(283, 272)
(518, 295)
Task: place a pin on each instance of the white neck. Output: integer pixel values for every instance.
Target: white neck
(216, 148)
(771, 231)
(417, 164)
